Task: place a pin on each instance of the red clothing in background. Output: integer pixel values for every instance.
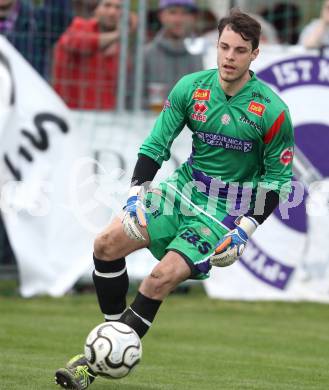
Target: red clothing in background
(83, 75)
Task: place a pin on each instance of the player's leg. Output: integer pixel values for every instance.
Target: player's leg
(111, 284)
(186, 257)
(164, 278)
(179, 248)
(110, 274)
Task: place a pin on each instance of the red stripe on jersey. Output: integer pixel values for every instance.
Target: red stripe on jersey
(274, 129)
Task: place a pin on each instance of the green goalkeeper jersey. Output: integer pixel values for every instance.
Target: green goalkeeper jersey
(247, 138)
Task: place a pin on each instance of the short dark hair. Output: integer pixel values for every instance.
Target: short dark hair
(243, 24)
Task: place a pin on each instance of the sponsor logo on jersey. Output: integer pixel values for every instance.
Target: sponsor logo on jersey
(201, 94)
(247, 146)
(199, 109)
(256, 108)
(287, 156)
(195, 240)
(225, 142)
(166, 105)
(251, 123)
(258, 95)
(225, 119)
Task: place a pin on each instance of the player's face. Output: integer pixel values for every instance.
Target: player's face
(5, 8)
(234, 55)
(176, 21)
(108, 13)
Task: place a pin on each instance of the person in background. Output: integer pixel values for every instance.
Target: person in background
(268, 34)
(286, 19)
(167, 57)
(207, 21)
(84, 8)
(33, 30)
(86, 59)
(316, 33)
(153, 25)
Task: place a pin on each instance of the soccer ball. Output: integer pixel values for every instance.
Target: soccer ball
(113, 349)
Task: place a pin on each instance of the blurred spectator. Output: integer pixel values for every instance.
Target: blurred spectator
(33, 30)
(316, 33)
(153, 24)
(86, 59)
(286, 19)
(268, 34)
(167, 58)
(206, 21)
(84, 8)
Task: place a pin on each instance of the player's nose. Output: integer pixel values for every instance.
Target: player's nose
(230, 55)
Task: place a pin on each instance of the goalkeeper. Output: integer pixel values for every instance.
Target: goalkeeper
(202, 215)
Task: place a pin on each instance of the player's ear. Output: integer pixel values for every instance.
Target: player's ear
(254, 54)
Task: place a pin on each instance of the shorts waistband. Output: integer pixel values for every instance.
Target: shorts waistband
(215, 187)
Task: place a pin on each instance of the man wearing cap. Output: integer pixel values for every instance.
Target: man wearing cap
(166, 57)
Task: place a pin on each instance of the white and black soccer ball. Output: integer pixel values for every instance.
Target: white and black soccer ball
(113, 349)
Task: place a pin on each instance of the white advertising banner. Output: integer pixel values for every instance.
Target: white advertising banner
(288, 256)
(38, 150)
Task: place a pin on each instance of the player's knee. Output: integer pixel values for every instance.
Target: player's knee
(162, 282)
(105, 245)
(158, 285)
(102, 246)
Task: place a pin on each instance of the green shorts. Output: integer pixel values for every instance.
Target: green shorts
(182, 228)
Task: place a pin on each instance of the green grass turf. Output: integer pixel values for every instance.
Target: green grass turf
(196, 343)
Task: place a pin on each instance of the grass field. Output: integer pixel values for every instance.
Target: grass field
(195, 344)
